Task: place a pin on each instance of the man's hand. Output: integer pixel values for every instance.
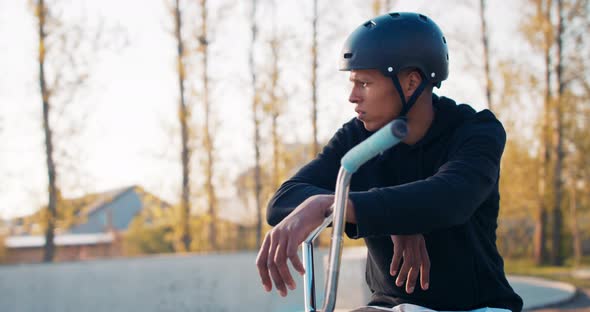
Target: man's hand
(282, 241)
(415, 258)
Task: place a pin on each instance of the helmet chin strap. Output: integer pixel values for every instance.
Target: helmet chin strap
(406, 106)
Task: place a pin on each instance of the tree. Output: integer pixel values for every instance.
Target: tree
(537, 29)
(571, 71)
(49, 250)
(208, 127)
(519, 173)
(294, 156)
(273, 100)
(518, 198)
(577, 180)
(486, 53)
(256, 122)
(314, 78)
(556, 28)
(66, 49)
(152, 229)
(184, 117)
(577, 117)
(244, 184)
(140, 240)
(381, 6)
(575, 228)
(556, 255)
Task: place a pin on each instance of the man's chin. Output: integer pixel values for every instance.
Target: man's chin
(372, 127)
(368, 126)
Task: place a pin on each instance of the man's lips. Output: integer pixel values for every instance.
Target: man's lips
(359, 113)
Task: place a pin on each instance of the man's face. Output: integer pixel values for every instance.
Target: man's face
(377, 101)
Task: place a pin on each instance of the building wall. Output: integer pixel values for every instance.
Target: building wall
(65, 253)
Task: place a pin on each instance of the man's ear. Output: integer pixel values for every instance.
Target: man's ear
(413, 80)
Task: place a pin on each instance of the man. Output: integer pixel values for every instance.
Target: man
(434, 197)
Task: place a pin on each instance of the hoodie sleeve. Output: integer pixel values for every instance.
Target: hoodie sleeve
(317, 177)
(446, 199)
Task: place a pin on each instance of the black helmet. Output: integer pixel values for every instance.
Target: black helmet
(397, 41)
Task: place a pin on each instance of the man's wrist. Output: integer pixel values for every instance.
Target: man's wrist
(350, 212)
(328, 205)
(328, 202)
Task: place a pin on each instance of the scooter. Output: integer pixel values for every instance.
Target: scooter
(388, 136)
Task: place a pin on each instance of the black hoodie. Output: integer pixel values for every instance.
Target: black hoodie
(445, 187)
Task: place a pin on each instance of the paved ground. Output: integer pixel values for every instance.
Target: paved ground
(537, 292)
(580, 302)
(208, 283)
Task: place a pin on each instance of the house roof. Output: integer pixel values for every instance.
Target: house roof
(105, 198)
(96, 212)
(115, 210)
(33, 241)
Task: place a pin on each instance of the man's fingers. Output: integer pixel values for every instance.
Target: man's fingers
(403, 273)
(424, 268)
(411, 280)
(397, 259)
(292, 255)
(272, 265)
(281, 262)
(261, 264)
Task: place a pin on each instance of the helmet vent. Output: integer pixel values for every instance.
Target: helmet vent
(444, 40)
(347, 55)
(394, 15)
(370, 24)
(423, 17)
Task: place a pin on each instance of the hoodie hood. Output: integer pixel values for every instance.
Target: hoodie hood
(447, 116)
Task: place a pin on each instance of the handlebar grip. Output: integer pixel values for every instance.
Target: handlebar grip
(388, 136)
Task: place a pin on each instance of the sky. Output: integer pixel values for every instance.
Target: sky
(130, 136)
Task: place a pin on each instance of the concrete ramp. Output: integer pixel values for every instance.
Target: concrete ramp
(215, 282)
(211, 282)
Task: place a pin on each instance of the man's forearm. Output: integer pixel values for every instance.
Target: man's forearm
(288, 197)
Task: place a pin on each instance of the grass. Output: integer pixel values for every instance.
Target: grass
(556, 273)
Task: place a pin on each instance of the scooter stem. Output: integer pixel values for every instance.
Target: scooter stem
(388, 136)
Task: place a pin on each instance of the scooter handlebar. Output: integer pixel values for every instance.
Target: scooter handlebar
(386, 137)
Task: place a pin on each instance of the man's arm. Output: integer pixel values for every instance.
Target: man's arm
(444, 200)
(300, 205)
(316, 178)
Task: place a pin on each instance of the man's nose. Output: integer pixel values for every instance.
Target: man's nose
(354, 96)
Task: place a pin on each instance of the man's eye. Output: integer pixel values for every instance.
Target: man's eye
(364, 84)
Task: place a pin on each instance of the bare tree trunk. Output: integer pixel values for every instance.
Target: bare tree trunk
(314, 78)
(49, 248)
(211, 198)
(256, 121)
(577, 239)
(183, 118)
(540, 238)
(275, 151)
(556, 256)
(381, 6)
(274, 100)
(377, 7)
(314, 87)
(486, 53)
